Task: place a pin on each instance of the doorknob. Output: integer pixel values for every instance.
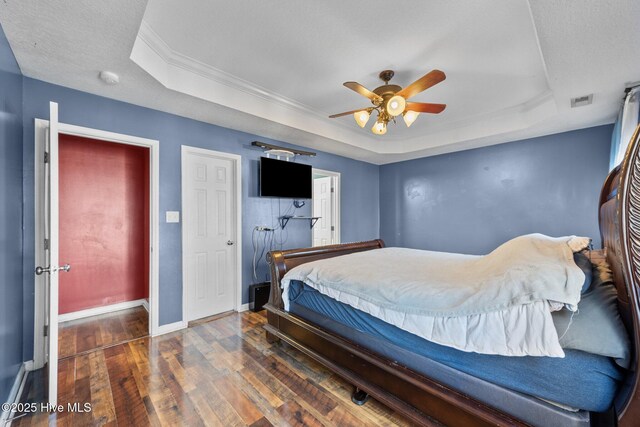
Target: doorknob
(40, 270)
(229, 242)
(65, 268)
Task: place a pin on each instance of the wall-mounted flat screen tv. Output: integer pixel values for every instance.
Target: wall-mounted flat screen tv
(279, 178)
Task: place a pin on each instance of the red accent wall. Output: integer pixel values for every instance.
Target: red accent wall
(104, 223)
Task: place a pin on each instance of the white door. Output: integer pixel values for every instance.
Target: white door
(50, 269)
(323, 208)
(209, 203)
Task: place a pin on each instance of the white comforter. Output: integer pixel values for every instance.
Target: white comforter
(498, 303)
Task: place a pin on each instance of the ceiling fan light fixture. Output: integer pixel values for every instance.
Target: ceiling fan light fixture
(362, 117)
(396, 105)
(390, 101)
(379, 127)
(410, 117)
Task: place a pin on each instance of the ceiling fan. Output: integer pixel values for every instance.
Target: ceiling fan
(389, 101)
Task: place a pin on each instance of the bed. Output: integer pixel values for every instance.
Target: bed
(432, 384)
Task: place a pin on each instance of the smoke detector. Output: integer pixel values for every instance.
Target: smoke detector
(581, 101)
(109, 77)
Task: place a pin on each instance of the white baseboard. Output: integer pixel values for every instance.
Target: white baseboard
(29, 365)
(16, 391)
(244, 307)
(102, 310)
(145, 304)
(171, 327)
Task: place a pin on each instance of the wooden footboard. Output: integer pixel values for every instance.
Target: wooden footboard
(422, 400)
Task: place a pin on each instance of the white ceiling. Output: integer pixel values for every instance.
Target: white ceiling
(276, 69)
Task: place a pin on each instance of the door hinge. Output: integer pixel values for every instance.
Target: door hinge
(46, 244)
(46, 157)
(46, 330)
(333, 228)
(333, 190)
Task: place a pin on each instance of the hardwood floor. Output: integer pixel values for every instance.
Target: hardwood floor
(218, 373)
(82, 335)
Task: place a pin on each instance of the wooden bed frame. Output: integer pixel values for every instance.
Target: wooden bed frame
(428, 402)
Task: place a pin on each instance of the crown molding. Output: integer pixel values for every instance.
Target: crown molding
(182, 73)
(176, 59)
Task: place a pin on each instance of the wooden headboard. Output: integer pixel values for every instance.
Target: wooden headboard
(620, 231)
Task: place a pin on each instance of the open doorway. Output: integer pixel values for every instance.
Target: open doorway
(326, 206)
(104, 236)
(106, 227)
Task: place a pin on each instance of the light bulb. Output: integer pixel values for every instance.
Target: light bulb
(395, 105)
(379, 128)
(410, 117)
(362, 117)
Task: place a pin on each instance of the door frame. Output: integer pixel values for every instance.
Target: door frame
(237, 161)
(41, 128)
(335, 181)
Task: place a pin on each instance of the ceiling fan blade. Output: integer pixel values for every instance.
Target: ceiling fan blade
(423, 107)
(423, 83)
(346, 113)
(357, 87)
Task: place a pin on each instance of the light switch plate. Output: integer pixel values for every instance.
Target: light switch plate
(173, 216)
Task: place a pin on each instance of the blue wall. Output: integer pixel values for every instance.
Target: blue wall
(360, 192)
(11, 328)
(472, 201)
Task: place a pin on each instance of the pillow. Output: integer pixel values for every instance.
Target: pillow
(596, 327)
(583, 261)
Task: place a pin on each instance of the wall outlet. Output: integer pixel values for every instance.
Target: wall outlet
(173, 216)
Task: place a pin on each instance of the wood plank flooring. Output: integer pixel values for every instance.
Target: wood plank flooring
(82, 335)
(218, 373)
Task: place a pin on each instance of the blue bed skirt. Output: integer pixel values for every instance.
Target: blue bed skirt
(579, 380)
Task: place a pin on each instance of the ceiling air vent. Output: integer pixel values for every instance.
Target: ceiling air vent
(581, 101)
